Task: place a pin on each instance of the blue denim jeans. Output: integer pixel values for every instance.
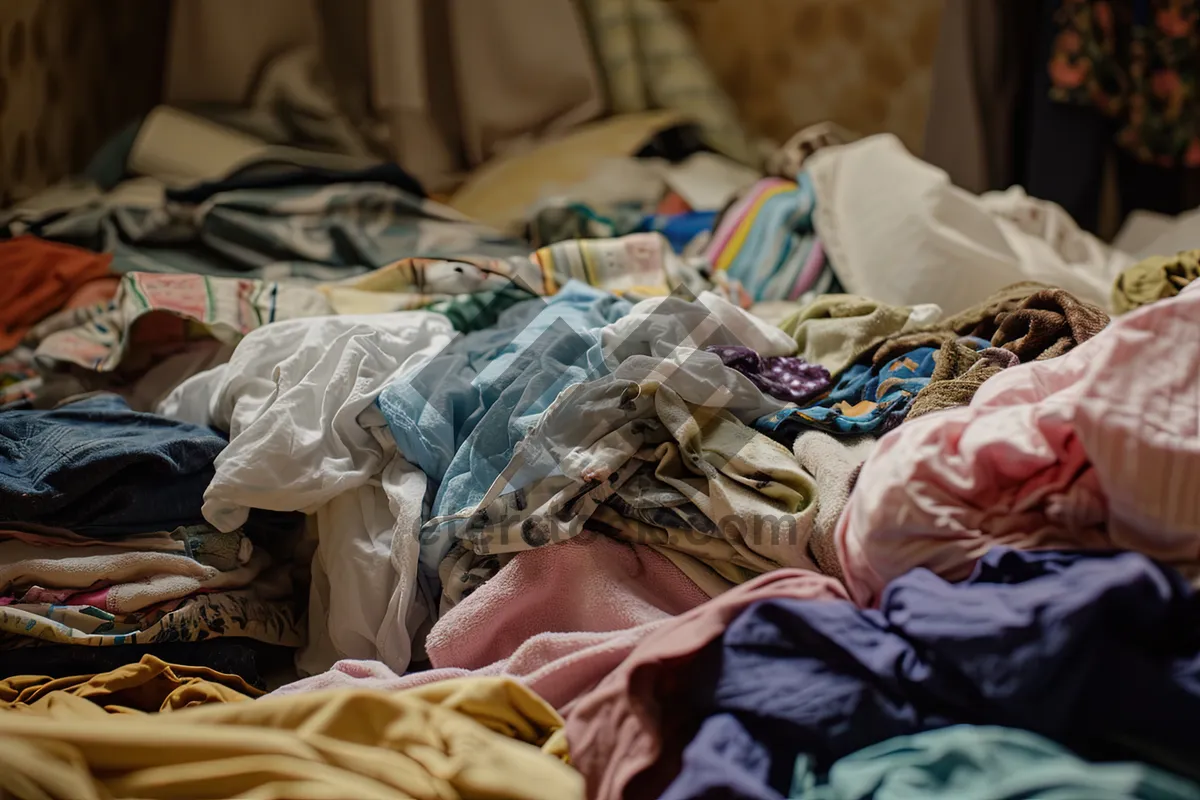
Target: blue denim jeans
(100, 469)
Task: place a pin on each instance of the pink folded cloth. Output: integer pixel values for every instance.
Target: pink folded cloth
(615, 730)
(1095, 449)
(558, 618)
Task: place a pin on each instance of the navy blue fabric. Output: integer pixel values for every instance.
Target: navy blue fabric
(98, 468)
(1096, 651)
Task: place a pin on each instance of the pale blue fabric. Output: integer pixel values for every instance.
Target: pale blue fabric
(459, 418)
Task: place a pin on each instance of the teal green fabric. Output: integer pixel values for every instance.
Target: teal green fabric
(967, 762)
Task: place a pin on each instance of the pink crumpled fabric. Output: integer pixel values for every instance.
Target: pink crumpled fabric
(558, 618)
(1097, 449)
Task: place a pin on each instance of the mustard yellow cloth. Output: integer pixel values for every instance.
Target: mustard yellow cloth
(468, 738)
(149, 685)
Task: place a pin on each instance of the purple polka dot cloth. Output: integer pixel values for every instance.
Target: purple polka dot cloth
(784, 377)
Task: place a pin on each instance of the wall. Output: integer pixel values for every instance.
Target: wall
(72, 72)
(864, 64)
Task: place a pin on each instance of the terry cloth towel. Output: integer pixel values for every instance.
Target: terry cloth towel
(565, 593)
(834, 463)
(474, 738)
(1023, 322)
(1154, 278)
(1091, 450)
(150, 685)
(561, 669)
(1030, 320)
(836, 329)
(984, 763)
(959, 372)
(37, 278)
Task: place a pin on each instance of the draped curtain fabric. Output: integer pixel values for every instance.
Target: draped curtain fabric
(451, 82)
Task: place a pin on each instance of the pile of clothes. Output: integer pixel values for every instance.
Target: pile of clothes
(323, 490)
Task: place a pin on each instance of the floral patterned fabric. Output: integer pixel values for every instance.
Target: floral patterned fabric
(1139, 62)
(189, 619)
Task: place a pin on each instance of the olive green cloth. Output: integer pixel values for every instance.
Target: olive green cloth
(835, 330)
(1154, 278)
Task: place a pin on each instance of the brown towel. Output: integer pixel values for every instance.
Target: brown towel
(1030, 321)
(959, 373)
(1048, 324)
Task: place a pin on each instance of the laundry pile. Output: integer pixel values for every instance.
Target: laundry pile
(859, 487)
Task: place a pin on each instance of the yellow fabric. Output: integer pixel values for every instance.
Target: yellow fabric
(149, 685)
(467, 738)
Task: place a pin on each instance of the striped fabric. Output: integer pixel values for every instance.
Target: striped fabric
(765, 241)
(168, 309)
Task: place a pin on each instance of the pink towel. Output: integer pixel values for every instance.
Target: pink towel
(1096, 449)
(559, 618)
(615, 729)
(591, 584)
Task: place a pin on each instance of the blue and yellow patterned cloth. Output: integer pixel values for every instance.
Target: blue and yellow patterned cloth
(866, 399)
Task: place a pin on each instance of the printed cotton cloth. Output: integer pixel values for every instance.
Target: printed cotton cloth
(865, 399)
(461, 416)
(628, 444)
(786, 377)
(153, 315)
(189, 619)
(1136, 62)
(835, 330)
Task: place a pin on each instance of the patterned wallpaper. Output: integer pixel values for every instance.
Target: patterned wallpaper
(864, 64)
(72, 72)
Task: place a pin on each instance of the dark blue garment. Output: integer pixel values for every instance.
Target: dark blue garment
(1096, 651)
(680, 228)
(100, 469)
